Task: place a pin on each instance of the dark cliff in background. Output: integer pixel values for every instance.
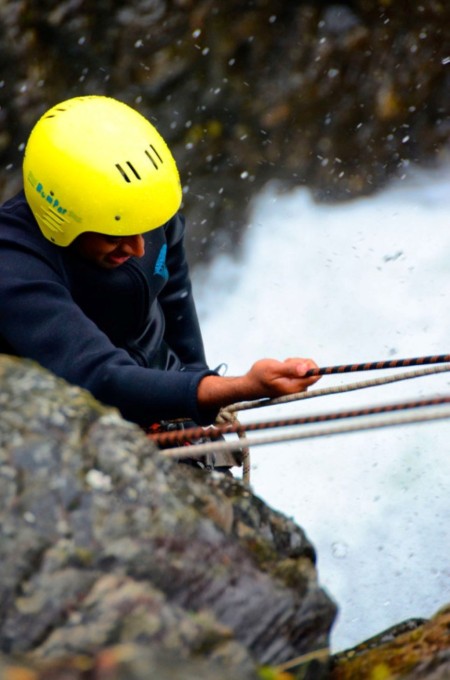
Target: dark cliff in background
(336, 96)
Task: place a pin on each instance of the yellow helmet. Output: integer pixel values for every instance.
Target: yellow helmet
(95, 164)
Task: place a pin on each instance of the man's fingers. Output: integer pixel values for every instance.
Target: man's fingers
(299, 367)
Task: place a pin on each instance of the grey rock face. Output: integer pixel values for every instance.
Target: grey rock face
(104, 542)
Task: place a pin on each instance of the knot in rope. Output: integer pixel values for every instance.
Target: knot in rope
(227, 416)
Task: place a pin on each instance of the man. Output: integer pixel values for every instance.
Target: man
(94, 282)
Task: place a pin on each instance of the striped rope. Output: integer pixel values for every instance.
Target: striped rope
(376, 365)
(203, 449)
(216, 431)
(336, 389)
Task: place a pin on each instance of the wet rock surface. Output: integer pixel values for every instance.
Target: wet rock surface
(106, 545)
(337, 96)
(414, 650)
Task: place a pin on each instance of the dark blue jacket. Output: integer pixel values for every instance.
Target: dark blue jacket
(129, 335)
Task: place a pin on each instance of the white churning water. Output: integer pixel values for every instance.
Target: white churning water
(355, 282)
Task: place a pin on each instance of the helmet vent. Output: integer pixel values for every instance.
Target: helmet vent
(125, 171)
(52, 115)
(150, 156)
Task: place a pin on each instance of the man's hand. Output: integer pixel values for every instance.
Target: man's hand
(272, 378)
(266, 378)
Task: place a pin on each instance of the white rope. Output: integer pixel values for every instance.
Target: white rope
(225, 417)
(202, 449)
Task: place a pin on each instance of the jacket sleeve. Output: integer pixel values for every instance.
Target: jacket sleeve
(183, 332)
(39, 320)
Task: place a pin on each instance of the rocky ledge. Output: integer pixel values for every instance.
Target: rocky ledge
(104, 542)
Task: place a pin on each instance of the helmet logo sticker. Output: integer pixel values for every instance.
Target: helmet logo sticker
(53, 207)
(49, 197)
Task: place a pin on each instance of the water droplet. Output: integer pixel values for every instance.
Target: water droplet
(339, 550)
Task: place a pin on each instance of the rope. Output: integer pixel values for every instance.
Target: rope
(228, 414)
(202, 449)
(375, 365)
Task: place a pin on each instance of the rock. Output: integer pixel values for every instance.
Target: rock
(105, 543)
(339, 97)
(414, 650)
(121, 662)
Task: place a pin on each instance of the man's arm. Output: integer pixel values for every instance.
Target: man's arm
(266, 378)
(40, 320)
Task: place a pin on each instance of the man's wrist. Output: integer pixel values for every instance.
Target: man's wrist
(217, 391)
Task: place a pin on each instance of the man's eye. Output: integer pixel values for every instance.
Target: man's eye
(112, 239)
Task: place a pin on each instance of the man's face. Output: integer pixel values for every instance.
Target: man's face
(109, 252)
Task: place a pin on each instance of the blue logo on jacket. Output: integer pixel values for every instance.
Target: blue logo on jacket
(160, 265)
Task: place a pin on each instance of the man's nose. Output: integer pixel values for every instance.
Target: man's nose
(134, 245)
